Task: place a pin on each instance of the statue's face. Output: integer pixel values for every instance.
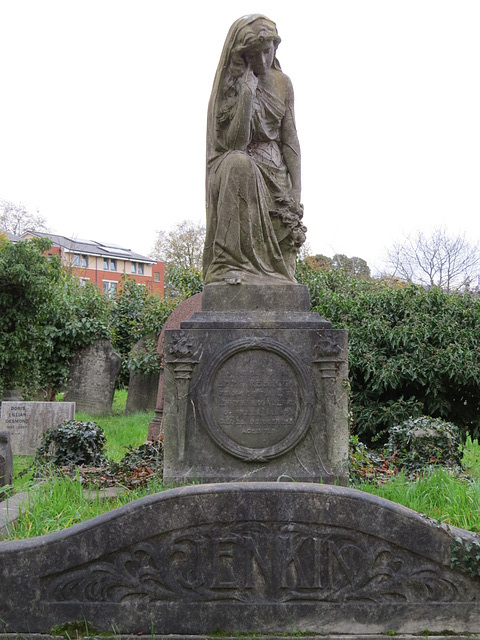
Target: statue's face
(260, 57)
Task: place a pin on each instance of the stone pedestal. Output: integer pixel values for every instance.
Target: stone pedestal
(255, 389)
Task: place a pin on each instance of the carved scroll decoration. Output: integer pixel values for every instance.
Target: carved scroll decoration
(261, 562)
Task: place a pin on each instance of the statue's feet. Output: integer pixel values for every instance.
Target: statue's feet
(233, 280)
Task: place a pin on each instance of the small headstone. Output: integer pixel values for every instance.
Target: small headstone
(27, 421)
(6, 459)
(142, 387)
(91, 382)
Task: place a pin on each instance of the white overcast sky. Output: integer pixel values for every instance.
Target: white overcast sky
(103, 110)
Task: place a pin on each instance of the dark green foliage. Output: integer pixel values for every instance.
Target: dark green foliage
(424, 441)
(78, 315)
(148, 455)
(27, 283)
(365, 464)
(412, 351)
(46, 315)
(72, 443)
(136, 314)
(466, 556)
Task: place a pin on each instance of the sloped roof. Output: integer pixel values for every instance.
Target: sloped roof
(92, 247)
(12, 237)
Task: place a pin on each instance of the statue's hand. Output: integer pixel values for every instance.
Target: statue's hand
(250, 80)
(297, 207)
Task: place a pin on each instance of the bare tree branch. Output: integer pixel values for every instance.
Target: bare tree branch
(181, 247)
(440, 260)
(16, 219)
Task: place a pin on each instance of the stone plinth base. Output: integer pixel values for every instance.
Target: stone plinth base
(255, 393)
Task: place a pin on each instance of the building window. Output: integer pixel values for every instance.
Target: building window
(83, 281)
(109, 287)
(140, 268)
(134, 267)
(80, 260)
(109, 264)
(156, 276)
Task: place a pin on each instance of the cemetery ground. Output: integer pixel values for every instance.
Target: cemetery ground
(446, 495)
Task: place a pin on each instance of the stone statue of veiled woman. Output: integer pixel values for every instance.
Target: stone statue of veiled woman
(253, 179)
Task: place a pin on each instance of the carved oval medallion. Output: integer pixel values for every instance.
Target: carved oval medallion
(256, 399)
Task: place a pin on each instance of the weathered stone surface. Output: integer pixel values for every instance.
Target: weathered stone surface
(183, 312)
(91, 382)
(249, 557)
(254, 212)
(142, 387)
(6, 459)
(255, 394)
(26, 422)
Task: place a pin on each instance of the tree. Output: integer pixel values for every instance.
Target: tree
(27, 282)
(16, 219)
(181, 247)
(448, 262)
(136, 314)
(354, 266)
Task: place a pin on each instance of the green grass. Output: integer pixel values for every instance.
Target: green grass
(437, 494)
(120, 430)
(61, 502)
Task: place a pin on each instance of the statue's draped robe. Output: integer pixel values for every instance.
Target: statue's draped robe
(243, 189)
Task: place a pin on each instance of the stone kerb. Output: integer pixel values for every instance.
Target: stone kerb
(249, 557)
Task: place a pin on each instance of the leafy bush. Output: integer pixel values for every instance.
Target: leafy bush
(366, 465)
(424, 441)
(72, 443)
(412, 351)
(27, 283)
(182, 283)
(139, 464)
(136, 314)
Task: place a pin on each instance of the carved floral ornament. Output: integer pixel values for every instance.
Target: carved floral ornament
(182, 348)
(258, 562)
(327, 349)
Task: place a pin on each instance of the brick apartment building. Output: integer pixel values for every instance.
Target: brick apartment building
(104, 264)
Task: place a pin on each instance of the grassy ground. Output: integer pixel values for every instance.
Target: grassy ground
(60, 502)
(120, 431)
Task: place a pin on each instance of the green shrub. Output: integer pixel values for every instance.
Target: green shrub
(424, 441)
(72, 443)
(412, 351)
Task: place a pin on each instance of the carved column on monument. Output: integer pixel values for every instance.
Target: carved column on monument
(327, 357)
(183, 355)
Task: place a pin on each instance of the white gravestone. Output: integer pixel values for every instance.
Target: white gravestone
(27, 421)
